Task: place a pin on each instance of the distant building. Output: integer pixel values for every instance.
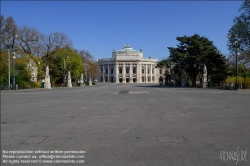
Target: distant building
(129, 66)
(32, 68)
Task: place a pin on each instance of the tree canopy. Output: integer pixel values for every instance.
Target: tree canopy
(194, 51)
(44, 49)
(241, 29)
(240, 33)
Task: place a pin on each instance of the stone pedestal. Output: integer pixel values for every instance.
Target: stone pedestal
(69, 80)
(204, 81)
(81, 79)
(47, 84)
(90, 82)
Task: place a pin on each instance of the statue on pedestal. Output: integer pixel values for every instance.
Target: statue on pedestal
(204, 70)
(90, 82)
(47, 71)
(47, 84)
(204, 77)
(81, 79)
(69, 80)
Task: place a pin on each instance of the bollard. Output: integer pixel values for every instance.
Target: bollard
(16, 86)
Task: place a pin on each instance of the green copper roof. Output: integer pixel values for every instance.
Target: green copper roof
(125, 49)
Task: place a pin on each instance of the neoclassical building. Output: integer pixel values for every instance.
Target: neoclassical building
(128, 66)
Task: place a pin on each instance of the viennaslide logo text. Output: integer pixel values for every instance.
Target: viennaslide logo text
(234, 155)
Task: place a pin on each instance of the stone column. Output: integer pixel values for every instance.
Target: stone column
(124, 73)
(99, 71)
(131, 73)
(108, 74)
(151, 73)
(155, 79)
(146, 73)
(137, 73)
(116, 73)
(103, 73)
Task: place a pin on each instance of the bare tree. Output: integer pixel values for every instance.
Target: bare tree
(8, 29)
(89, 64)
(2, 24)
(88, 56)
(53, 42)
(30, 40)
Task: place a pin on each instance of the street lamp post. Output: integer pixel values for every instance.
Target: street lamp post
(86, 78)
(10, 46)
(236, 51)
(64, 77)
(64, 70)
(14, 81)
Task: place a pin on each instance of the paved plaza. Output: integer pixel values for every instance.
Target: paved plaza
(130, 124)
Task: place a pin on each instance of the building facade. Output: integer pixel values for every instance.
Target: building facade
(128, 66)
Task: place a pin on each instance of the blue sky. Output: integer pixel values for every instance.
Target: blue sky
(100, 27)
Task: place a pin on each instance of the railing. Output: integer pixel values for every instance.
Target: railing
(150, 59)
(105, 59)
(112, 59)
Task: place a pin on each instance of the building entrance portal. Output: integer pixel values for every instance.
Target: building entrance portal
(127, 79)
(112, 79)
(134, 79)
(120, 79)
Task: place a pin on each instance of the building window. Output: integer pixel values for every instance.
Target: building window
(152, 71)
(134, 70)
(106, 71)
(111, 71)
(127, 70)
(148, 71)
(142, 71)
(120, 70)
